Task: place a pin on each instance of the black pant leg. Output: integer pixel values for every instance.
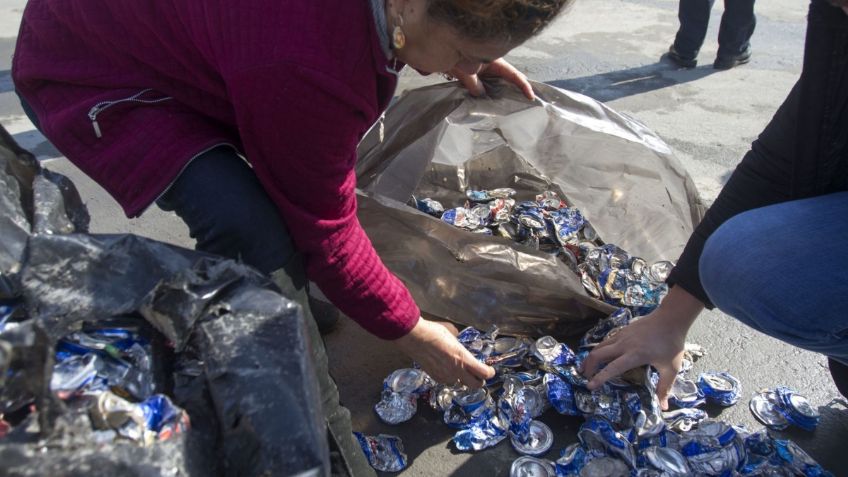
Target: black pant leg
(694, 16)
(737, 26)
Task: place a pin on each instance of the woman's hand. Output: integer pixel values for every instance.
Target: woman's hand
(439, 353)
(657, 339)
(498, 68)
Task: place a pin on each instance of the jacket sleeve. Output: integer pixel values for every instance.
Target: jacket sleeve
(764, 177)
(299, 129)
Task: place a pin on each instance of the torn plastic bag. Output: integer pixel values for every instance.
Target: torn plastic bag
(439, 142)
(239, 365)
(32, 200)
(256, 382)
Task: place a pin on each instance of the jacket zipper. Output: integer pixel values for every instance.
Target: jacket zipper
(170, 184)
(104, 105)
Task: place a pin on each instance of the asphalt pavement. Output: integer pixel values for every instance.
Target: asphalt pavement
(609, 50)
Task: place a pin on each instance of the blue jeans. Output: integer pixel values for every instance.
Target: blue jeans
(737, 26)
(783, 270)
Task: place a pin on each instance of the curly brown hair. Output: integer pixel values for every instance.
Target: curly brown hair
(484, 20)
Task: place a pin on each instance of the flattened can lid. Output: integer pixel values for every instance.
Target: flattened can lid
(539, 440)
(531, 467)
(764, 406)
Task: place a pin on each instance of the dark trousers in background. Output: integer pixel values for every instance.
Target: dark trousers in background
(737, 26)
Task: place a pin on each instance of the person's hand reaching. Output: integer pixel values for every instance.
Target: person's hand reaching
(657, 339)
(443, 357)
(498, 68)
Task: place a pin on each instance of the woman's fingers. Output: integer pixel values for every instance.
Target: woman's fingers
(617, 366)
(471, 82)
(597, 357)
(667, 377)
(503, 69)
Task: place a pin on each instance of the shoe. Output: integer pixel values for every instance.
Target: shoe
(727, 62)
(679, 60)
(839, 372)
(326, 315)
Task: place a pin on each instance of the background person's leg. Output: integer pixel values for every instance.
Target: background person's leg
(228, 213)
(734, 35)
(783, 270)
(694, 16)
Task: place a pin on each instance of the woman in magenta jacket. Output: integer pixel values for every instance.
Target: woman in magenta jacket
(243, 118)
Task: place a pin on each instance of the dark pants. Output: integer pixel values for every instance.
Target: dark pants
(737, 26)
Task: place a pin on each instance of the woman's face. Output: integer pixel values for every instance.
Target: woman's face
(433, 47)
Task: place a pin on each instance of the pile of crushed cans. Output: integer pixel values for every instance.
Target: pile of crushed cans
(625, 432)
(550, 225)
(107, 371)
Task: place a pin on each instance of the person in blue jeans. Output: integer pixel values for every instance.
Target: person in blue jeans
(734, 34)
(772, 250)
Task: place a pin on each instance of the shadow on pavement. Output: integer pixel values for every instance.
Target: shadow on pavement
(622, 83)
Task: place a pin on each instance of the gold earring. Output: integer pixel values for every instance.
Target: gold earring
(398, 36)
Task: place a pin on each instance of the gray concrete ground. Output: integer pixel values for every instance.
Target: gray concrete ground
(608, 50)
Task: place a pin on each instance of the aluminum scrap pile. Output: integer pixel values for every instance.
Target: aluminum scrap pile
(107, 372)
(550, 225)
(625, 433)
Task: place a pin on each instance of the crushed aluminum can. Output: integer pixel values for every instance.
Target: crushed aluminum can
(797, 409)
(685, 393)
(709, 435)
(668, 460)
(487, 431)
(659, 271)
(720, 388)
(713, 448)
(483, 213)
(550, 200)
(530, 378)
(590, 283)
(467, 406)
(793, 457)
(487, 195)
(598, 433)
(395, 408)
(441, 397)
(657, 435)
(76, 374)
(533, 219)
(571, 460)
(560, 395)
(567, 222)
(163, 417)
(384, 452)
(508, 352)
(472, 339)
(720, 461)
(429, 206)
(526, 466)
(536, 442)
(766, 408)
(548, 350)
(605, 467)
(617, 319)
(462, 218)
(683, 420)
(602, 402)
(408, 380)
